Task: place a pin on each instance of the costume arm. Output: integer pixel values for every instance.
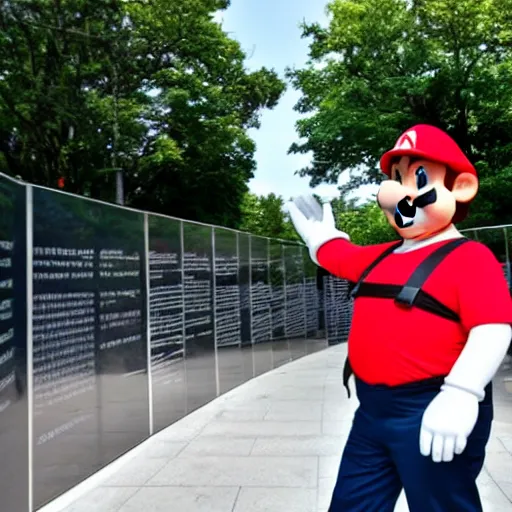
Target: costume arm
(341, 258)
(485, 310)
(480, 359)
(451, 416)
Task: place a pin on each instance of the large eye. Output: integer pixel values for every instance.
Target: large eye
(421, 178)
(397, 176)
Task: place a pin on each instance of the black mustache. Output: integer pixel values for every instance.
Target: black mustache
(408, 210)
(425, 199)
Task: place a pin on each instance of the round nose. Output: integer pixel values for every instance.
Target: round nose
(391, 192)
(410, 193)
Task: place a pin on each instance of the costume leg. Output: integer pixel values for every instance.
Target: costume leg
(367, 480)
(443, 486)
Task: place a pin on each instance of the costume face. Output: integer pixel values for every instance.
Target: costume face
(416, 201)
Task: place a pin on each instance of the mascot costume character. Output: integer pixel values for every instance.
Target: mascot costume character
(431, 325)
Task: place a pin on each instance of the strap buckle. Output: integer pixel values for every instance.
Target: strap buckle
(407, 296)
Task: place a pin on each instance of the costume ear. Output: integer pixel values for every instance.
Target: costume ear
(465, 187)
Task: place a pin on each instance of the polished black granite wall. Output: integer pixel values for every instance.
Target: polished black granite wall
(137, 320)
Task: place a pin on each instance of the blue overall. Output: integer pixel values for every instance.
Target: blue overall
(382, 455)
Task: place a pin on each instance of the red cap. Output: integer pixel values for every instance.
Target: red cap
(430, 143)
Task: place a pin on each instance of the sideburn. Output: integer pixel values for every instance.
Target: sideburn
(461, 209)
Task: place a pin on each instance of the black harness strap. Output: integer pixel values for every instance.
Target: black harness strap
(408, 295)
(354, 287)
(422, 300)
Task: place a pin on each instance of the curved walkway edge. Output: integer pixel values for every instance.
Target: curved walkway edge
(273, 444)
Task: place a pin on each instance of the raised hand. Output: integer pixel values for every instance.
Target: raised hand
(310, 207)
(314, 224)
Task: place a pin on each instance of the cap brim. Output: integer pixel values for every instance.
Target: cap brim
(385, 161)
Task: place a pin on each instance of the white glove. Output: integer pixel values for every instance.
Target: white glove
(451, 416)
(447, 423)
(314, 224)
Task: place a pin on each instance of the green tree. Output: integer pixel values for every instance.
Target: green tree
(366, 224)
(156, 89)
(52, 59)
(264, 216)
(384, 65)
(207, 103)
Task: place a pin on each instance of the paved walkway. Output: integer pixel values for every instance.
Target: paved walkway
(272, 444)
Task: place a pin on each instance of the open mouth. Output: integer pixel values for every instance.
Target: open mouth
(402, 221)
(405, 213)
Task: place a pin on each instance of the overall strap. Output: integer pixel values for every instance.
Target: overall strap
(355, 288)
(347, 373)
(412, 287)
(423, 300)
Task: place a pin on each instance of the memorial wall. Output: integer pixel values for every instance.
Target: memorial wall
(14, 406)
(90, 386)
(167, 321)
(114, 324)
(295, 312)
(277, 286)
(132, 321)
(337, 307)
(312, 295)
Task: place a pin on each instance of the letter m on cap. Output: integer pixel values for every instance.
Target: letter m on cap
(407, 140)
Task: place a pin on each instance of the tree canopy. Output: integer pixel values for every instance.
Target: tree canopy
(155, 88)
(264, 216)
(366, 224)
(381, 66)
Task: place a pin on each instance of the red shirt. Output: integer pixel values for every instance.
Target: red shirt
(392, 345)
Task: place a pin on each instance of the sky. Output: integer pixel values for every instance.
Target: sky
(269, 33)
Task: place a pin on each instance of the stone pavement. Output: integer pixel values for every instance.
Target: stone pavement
(272, 444)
